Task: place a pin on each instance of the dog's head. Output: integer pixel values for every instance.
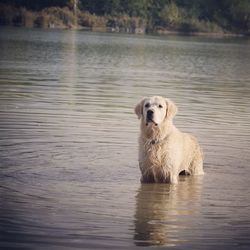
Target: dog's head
(155, 110)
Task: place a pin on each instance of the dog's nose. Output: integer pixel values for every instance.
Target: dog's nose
(150, 114)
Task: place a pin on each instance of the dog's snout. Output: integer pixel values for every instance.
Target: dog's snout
(150, 113)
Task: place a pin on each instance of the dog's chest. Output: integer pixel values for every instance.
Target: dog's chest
(153, 154)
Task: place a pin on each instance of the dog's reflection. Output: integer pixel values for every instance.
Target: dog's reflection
(161, 211)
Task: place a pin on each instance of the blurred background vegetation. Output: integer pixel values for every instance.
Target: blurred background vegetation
(134, 16)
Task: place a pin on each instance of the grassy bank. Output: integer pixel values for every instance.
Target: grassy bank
(171, 19)
(65, 18)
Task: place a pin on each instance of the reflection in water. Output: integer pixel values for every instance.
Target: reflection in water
(69, 60)
(161, 209)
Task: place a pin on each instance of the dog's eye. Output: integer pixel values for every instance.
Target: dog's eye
(160, 106)
(147, 105)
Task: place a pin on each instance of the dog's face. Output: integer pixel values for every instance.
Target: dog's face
(154, 110)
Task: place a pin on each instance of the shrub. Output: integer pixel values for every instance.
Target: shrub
(171, 14)
(55, 17)
(27, 17)
(86, 19)
(7, 14)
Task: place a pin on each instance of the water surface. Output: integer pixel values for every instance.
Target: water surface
(69, 176)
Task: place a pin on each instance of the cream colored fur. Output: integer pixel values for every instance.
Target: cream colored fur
(164, 151)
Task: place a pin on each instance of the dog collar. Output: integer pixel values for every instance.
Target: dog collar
(155, 141)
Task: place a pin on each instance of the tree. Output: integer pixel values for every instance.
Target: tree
(171, 14)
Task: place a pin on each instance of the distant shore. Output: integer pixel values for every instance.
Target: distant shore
(64, 18)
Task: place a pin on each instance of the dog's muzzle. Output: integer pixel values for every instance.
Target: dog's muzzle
(150, 117)
(150, 114)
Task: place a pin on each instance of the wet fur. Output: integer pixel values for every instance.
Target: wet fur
(172, 153)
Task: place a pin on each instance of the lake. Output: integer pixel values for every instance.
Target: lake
(69, 175)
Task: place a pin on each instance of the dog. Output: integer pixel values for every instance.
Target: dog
(164, 151)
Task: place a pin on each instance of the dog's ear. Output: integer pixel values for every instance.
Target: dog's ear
(139, 108)
(171, 109)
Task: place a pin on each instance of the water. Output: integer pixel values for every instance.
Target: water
(69, 176)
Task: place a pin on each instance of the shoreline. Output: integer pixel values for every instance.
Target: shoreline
(161, 33)
(65, 18)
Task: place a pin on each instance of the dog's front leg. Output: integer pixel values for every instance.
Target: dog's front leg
(173, 178)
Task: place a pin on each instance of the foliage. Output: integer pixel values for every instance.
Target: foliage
(205, 15)
(36, 4)
(187, 15)
(171, 14)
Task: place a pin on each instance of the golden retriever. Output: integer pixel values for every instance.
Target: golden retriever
(164, 151)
